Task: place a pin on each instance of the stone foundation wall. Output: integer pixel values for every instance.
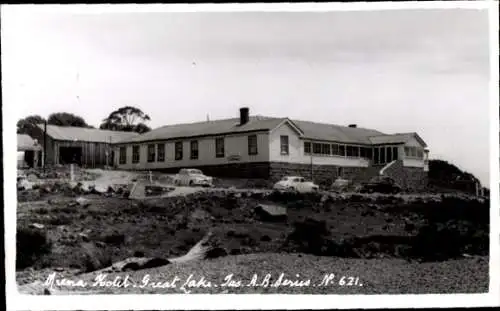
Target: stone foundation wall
(409, 178)
(258, 170)
(321, 174)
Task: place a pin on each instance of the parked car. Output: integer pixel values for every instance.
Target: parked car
(296, 183)
(192, 177)
(380, 184)
(340, 184)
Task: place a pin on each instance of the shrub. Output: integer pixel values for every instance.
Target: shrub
(443, 241)
(42, 211)
(310, 236)
(60, 220)
(114, 238)
(31, 246)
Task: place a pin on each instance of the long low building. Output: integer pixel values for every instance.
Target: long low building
(268, 147)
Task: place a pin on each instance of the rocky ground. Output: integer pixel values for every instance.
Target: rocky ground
(391, 244)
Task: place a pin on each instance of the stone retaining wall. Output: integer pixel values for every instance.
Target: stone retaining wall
(233, 170)
(409, 178)
(320, 174)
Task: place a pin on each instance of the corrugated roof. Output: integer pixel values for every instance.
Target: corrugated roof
(25, 142)
(311, 130)
(215, 127)
(337, 133)
(396, 138)
(85, 134)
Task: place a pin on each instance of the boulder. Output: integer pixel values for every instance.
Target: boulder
(271, 212)
(82, 202)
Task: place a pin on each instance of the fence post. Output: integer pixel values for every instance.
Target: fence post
(72, 172)
(150, 177)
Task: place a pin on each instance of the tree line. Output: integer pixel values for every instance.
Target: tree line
(127, 119)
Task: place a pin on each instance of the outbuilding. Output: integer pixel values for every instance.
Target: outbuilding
(87, 147)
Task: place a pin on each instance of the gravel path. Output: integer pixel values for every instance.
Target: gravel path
(368, 276)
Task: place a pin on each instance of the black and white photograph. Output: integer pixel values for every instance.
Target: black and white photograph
(185, 151)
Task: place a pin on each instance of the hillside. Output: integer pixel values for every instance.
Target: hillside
(443, 174)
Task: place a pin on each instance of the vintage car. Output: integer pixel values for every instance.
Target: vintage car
(192, 177)
(380, 184)
(296, 183)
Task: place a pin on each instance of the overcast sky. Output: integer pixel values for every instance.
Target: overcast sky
(395, 71)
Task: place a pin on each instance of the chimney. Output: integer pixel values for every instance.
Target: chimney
(353, 125)
(244, 115)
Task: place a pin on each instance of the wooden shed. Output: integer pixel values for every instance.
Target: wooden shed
(87, 147)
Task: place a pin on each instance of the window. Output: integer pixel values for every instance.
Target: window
(389, 154)
(194, 150)
(252, 145)
(307, 147)
(365, 152)
(316, 148)
(420, 154)
(335, 149)
(351, 151)
(325, 149)
(376, 155)
(382, 155)
(151, 153)
(161, 153)
(219, 147)
(394, 153)
(135, 154)
(284, 144)
(355, 151)
(178, 150)
(369, 151)
(123, 155)
(342, 150)
(407, 151)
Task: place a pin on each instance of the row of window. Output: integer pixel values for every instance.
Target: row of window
(414, 152)
(379, 155)
(156, 152)
(337, 150)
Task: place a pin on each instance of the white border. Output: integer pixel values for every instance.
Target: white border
(15, 301)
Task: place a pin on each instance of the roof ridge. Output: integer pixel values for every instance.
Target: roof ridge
(394, 134)
(331, 124)
(255, 117)
(81, 127)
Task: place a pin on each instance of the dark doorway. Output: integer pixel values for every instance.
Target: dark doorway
(40, 159)
(29, 158)
(69, 155)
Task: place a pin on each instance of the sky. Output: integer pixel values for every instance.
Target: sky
(423, 71)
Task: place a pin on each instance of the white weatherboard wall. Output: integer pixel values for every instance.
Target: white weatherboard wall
(296, 151)
(234, 145)
(412, 162)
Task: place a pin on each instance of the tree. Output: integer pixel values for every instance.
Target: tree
(67, 119)
(128, 119)
(23, 125)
